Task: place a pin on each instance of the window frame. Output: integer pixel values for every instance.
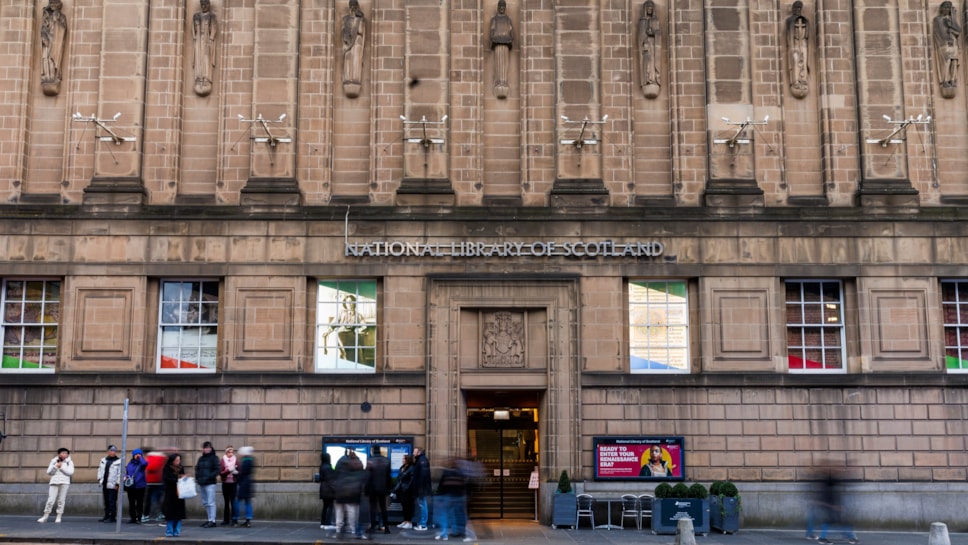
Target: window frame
(200, 325)
(841, 325)
(961, 328)
(370, 319)
(4, 301)
(686, 314)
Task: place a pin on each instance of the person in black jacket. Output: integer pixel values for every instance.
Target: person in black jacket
(206, 474)
(403, 492)
(326, 493)
(378, 484)
(422, 487)
(347, 488)
(173, 507)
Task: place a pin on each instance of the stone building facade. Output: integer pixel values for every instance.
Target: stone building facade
(740, 222)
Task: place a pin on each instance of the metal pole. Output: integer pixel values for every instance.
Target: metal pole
(124, 466)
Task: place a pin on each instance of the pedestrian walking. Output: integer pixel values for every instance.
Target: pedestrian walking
(348, 488)
(108, 476)
(173, 507)
(832, 511)
(449, 498)
(378, 484)
(207, 470)
(154, 485)
(403, 492)
(422, 487)
(246, 489)
(229, 469)
(326, 493)
(135, 484)
(60, 469)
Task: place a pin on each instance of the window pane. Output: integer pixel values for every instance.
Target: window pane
(658, 326)
(188, 326)
(30, 324)
(954, 306)
(815, 337)
(346, 325)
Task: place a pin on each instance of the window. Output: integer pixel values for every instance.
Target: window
(188, 326)
(815, 325)
(658, 327)
(954, 305)
(31, 313)
(346, 325)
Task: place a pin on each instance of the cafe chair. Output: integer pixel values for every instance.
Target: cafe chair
(586, 503)
(630, 509)
(645, 508)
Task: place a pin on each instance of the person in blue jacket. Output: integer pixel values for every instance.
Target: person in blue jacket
(135, 475)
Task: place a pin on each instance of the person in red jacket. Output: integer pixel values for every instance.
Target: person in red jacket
(155, 489)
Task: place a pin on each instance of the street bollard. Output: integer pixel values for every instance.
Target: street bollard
(684, 532)
(939, 534)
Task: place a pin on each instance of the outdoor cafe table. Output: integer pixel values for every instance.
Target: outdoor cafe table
(609, 500)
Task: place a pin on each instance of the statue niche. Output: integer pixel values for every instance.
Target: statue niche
(53, 38)
(204, 29)
(650, 50)
(798, 51)
(501, 37)
(503, 339)
(353, 36)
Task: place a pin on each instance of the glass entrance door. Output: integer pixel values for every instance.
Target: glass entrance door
(505, 441)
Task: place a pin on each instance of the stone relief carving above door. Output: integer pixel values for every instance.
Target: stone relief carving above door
(503, 339)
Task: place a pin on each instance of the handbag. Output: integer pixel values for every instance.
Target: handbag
(186, 488)
(128, 481)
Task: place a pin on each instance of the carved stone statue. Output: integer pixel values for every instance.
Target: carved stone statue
(204, 30)
(650, 50)
(501, 37)
(353, 33)
(798, 51)
(503, 340)
(947, 49)
(53, 37)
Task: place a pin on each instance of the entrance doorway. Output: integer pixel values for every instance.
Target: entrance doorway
(504, 440)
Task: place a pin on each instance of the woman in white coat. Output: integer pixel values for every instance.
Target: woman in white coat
(60, 470)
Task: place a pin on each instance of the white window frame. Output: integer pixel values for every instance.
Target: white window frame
(961, 305)
(188, 318)
(44, 344)
(359, 324)
(641, 315)
(802, 325)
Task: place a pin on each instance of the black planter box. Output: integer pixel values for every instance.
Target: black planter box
(724, 514)
(564, 510)
(666, 513)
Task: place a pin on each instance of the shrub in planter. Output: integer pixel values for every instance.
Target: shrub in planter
(564, 483)
(564, 508)
(675, 502)
(725, 508)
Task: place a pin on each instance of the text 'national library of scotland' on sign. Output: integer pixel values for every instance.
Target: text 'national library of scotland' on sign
(605, 248)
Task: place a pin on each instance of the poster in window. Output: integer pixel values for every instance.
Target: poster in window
(640, 458)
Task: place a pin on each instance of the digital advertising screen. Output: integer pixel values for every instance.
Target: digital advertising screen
(640, 458)
(394, 448)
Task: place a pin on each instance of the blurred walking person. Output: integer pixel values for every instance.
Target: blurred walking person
(246, 489)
